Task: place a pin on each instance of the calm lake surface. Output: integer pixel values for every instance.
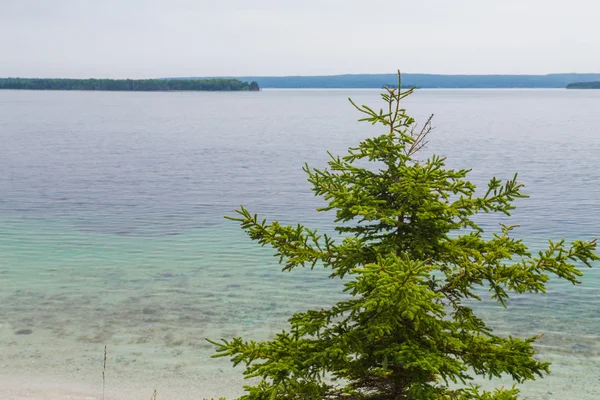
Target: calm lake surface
(112, 228)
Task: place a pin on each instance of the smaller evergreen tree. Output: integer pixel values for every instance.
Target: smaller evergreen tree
(413, 260)
(254, 86)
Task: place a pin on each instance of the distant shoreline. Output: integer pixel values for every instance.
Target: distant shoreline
(423, 81)
(130, 85)
(256, 83)
(584, 85)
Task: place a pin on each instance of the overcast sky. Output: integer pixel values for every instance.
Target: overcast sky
(163, 38)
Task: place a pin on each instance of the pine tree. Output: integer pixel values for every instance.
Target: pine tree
(254, 86)
(413, 261)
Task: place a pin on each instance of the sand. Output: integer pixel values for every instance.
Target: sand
(47, 388)
(24, 387)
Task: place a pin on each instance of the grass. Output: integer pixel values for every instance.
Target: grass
(104, 374)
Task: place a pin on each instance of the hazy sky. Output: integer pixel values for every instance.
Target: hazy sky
(160, 38)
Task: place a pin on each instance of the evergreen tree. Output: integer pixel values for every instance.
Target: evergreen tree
(254, 86)
(413, 261)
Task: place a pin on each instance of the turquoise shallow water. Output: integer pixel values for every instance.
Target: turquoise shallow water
(111, 228)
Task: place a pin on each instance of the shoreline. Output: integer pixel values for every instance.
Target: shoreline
(50, 387)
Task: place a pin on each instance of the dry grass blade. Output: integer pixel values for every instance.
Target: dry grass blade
(104, 374)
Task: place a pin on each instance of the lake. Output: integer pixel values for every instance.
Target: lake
(112, 230)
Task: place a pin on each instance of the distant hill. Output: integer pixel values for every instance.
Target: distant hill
(420, 80)
(146, 85)
(584, 85)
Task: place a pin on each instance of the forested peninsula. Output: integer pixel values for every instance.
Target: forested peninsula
(584, 85)
(142, 85)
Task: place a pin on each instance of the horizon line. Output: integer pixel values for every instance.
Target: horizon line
(384, 73)
(316, 76)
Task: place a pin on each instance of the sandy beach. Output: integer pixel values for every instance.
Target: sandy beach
(13, 387)
(29, 387)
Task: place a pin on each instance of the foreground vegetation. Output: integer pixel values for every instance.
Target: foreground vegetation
(584, 85)
(413, 260)
(128, 84)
